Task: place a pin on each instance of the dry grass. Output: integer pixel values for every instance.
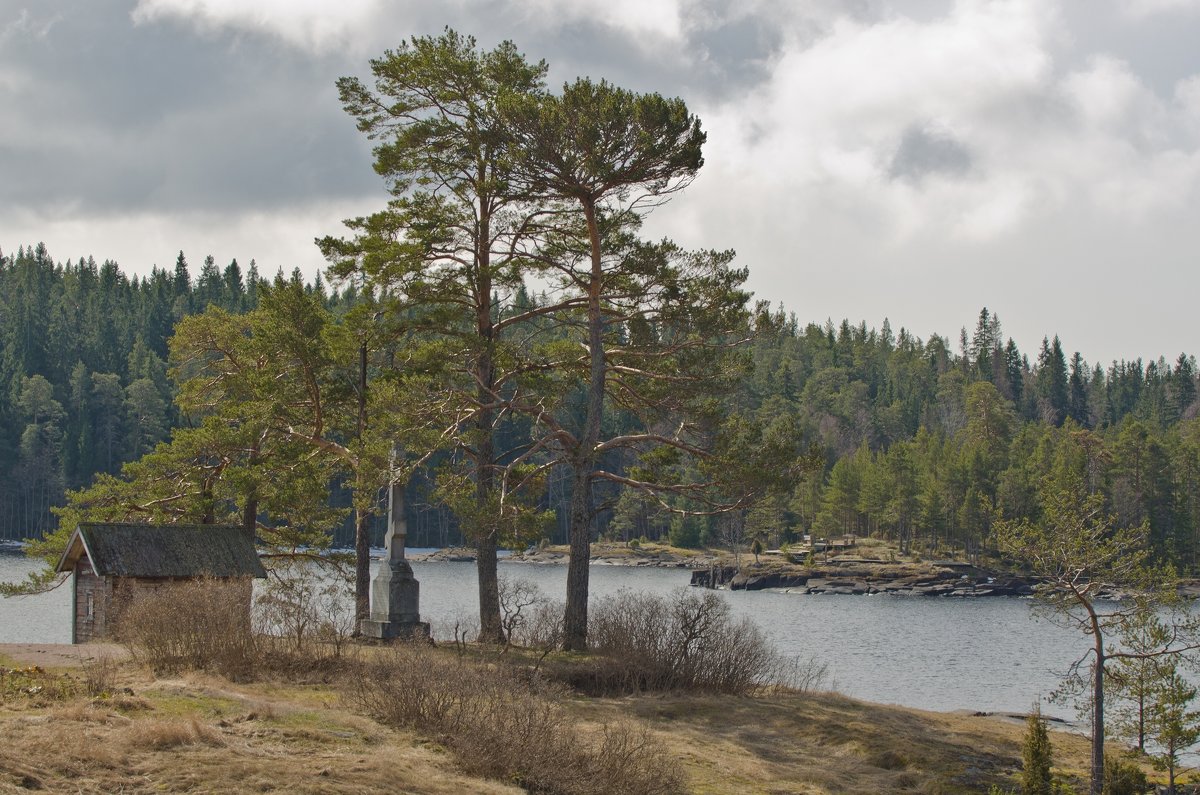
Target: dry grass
(203, 733)
(505, 723)
(820, 744)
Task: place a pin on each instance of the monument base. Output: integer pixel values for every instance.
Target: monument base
(394, 630)
(395, 595)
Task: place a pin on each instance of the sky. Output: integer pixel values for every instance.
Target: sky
(915, 161)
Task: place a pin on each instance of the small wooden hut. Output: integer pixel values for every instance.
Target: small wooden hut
(111, 563)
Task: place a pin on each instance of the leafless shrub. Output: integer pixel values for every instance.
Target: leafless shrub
(530, 619)
(303, 605)
(543, 628)
(461, 629)
(804, 675)
(688, 641)
(200, 624)
(509, 726)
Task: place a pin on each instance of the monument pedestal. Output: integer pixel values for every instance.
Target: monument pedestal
(395, 597)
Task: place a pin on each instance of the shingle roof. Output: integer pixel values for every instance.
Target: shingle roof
(146, 550)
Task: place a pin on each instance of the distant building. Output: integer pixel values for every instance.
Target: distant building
(111, 563)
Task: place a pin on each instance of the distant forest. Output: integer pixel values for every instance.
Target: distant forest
(927, 441)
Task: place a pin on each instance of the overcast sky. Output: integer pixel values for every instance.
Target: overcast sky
(915, 160)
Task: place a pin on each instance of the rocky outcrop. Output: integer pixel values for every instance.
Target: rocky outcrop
(960, 581)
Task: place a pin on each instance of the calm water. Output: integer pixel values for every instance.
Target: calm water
(927, 652)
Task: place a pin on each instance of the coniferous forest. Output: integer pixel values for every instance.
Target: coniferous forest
(926, 441)
(83, 376)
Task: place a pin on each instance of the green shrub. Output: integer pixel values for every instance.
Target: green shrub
(1123, 778)
(1036, 756)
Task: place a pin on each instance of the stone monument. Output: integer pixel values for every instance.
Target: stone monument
(395, 592)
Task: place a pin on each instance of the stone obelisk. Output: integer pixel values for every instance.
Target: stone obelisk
(395, 592)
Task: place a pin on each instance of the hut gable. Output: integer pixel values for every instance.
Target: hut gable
(175, 551)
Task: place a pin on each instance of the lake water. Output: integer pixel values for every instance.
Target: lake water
(927, 652)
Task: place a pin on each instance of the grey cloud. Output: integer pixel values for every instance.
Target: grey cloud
(1160, 48)
(115, 116)
(737, 53)
(924, 151)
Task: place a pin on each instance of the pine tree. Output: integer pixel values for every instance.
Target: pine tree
(1173, 727)
(610, 155)
(444, 155)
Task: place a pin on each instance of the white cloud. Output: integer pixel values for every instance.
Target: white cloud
(659, 18)
(1056, 174)
(1107, 95)
(833, 114)
(1021, 138)
(313, 24)
(141, 240)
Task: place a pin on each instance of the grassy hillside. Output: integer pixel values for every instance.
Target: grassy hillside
(118, 728)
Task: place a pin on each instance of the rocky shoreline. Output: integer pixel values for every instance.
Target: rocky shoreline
(856, 579)
(602, 555)
(844, 576)
(851, 576)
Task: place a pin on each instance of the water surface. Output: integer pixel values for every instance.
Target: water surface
(928, 652)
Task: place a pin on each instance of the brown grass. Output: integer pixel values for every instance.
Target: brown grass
(203, 733)
(195, 737)
(505, 723)
(826, 743)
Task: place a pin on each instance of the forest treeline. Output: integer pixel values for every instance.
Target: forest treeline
(83, 373)
(933, 445)
(926, 441)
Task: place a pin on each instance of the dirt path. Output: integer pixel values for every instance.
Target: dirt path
(60, 655)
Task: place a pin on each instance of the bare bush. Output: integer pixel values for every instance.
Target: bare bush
(505, 724)
(542, 629)
(302, 605)
(688, 641)
(530, 619)
(804, 675)
(200, 624)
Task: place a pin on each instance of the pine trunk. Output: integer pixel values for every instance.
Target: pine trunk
(491, 627)
(362, 567)
(576, 617)
(584, 460)
(1097, 784)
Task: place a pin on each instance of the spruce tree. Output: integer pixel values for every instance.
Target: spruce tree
(1036, 756)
